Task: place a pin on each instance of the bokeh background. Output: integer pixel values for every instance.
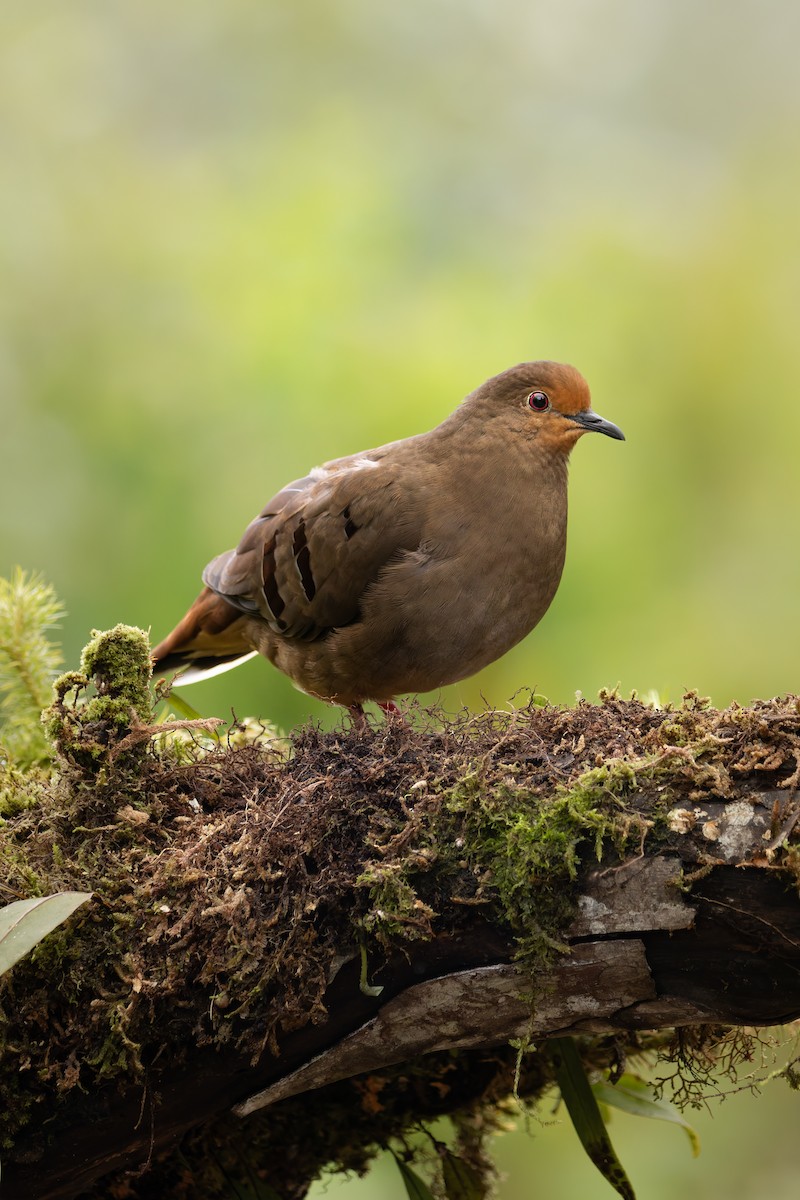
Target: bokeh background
(239, 239)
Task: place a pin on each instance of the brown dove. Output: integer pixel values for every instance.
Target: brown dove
(408, 567)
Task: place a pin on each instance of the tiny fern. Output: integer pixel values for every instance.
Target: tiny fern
(29, 661)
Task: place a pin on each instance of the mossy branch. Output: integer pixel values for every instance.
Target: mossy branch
(510, 875)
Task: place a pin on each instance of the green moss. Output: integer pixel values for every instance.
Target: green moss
(527, 848)
(501, 843)
(20, 789)
(395, 910)
(14, 865)
(88, 731)
(118, 661)
(119, 1054)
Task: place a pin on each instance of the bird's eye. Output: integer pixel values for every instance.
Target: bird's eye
(538, 402)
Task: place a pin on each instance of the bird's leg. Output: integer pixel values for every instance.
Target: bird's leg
(387, 707)
(357, 713)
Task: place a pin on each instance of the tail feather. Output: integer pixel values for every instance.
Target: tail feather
(210, 639)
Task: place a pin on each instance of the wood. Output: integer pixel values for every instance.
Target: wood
(643, 958)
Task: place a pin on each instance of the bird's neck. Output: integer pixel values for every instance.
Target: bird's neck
(469, 438)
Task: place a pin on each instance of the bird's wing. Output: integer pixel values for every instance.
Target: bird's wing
(210, 638)
(304, 563)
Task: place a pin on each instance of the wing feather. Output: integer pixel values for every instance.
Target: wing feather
(306, 560)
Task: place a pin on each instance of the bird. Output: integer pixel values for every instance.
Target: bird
(407, 567)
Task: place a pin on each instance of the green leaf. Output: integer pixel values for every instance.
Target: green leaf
(26, 922)
(577, 1094)
(633, 1095)
(182, 707)
(461, 1180)
(416, 1188)
(363, 984)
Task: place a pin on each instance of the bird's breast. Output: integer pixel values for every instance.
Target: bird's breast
(481, 578)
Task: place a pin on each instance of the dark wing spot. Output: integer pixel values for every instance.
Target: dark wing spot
(299, 539)
(350, 526)
(302, 556)
(275, 602)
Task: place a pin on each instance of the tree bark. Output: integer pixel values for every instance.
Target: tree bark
(699, 925)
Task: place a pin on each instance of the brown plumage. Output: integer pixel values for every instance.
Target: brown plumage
(408, 567)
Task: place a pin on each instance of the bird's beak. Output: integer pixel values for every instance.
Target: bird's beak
(593, 423)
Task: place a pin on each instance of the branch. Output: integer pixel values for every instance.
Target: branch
(602, 870)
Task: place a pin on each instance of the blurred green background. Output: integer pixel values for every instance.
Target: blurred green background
(239, 239)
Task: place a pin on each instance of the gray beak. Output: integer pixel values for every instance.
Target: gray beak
(593, 423)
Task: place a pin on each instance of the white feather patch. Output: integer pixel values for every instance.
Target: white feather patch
(198, 674)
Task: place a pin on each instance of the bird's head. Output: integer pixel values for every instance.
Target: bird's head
(548, 401)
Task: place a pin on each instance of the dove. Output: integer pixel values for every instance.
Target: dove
(407, 567)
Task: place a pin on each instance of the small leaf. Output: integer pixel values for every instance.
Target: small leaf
(461, 1180)
(416, 1188)
(633, 1095)
(182, 707)
(26, 922)
(363, 984)
(582, 1106)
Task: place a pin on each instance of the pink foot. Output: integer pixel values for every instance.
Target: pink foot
(387, 707)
